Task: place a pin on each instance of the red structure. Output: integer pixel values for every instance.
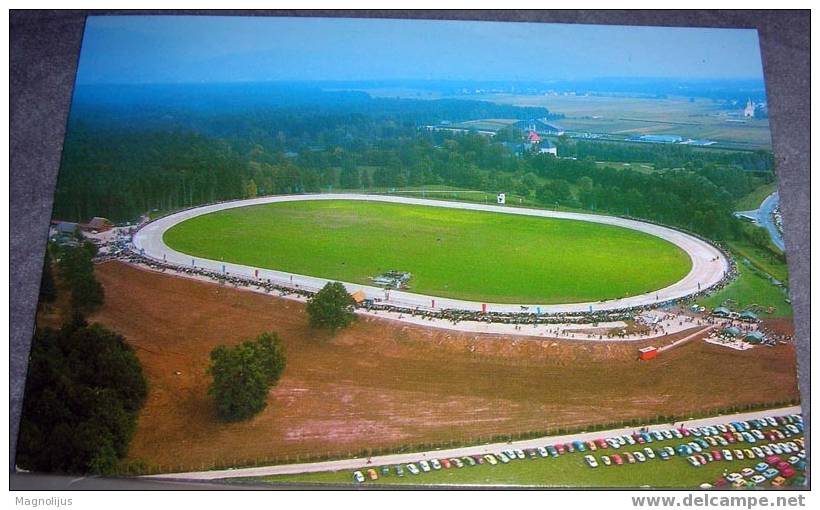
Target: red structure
(647, 353)
(533, 137)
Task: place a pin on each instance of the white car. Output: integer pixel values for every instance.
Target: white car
(639, 457)
(768, 451)
(738, 454)
(776, 448)
(503, 458)
(590, 460)
(692, 460)
(667, 434)
(771, 421)
(542, 451)
(758, 452)
(435, 464)
(425, 466)
(520, 454)
(629, 439)
(413, 469)
(727, 455)
(649, 453)
(758, 434)
(695, 447)
(606, 460)
(358, 477)
(734, 477)
(758, 479)
(747, 472)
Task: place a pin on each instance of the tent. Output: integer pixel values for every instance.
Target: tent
(721, 311)
(358, 296)
(749, 315)
(731, 331)
(755, 337)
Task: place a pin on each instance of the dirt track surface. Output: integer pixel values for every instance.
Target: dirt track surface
(383, 383)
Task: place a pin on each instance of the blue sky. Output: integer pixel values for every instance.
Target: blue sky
(168, 49)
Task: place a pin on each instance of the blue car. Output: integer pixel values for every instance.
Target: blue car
(581, 447)
(684, 449)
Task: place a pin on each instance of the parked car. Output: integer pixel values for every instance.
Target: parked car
(716, 455)
(606, 460)
(502, 457)
(761, 467)
(479, 459)
(738, 454)
(778, 481)
(693, 461)
(749, 453)
(552, 451)
(469, 461)
(628, 439)
(650, 454)
(569, 448)
(758, 452)
(491, 460)
(639, 457)
(424, 465)
(542, 451)
(457, 462)
(667, 434)
(445, 463)
(590, 460)
(413, 469)
(591, 446)
(560, 449)
(663, 454)
(771, 473)
(358, 477)
(684, 449)
(520, 454)
(733, 477)
(787, 472)
(617, 459)
(371, 473)
(385, 470)
(630, 459)
(727, 455)
(747, 472)
(435, 464)
(399, 470)
(758, 479)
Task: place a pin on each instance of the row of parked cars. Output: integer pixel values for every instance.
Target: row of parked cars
(700, 438)
(754, 452)
(776, 470)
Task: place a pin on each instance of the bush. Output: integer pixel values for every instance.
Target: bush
(84, 389)
(243, 375)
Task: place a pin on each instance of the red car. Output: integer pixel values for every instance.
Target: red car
(782, 465)
(478, 459)
(569, 448)
(787, 472)
(720, 482)
(445, 463)
(602, 443)
(684, 432)
(616, 459)
(729, 437)
(716, 455)
(560, 449)
(772, 459)
(639, 438)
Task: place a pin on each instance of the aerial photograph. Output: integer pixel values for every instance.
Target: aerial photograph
(370, 253)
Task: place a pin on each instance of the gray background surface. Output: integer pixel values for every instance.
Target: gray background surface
(45, 49)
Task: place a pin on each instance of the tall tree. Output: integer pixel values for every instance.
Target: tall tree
(84, 389)
(243, 375)
(331, 308)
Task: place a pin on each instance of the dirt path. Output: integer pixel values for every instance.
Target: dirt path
(386, 384)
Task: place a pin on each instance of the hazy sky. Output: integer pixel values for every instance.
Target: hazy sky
(168, 49)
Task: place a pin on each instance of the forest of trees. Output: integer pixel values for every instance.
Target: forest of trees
(120, 162)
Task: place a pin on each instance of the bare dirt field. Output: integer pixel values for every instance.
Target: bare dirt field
(384, 383)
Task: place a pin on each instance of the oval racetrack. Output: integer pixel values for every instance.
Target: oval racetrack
(708, 263)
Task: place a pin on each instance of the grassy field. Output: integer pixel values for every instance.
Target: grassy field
(466, 254)
(753, 200)
(751, 288)
(700, 119)
(568, 470)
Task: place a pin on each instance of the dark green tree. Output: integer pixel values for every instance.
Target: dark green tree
(331, 308)
(243, 375)
(77, 270)
(48, 290)
(84, 389)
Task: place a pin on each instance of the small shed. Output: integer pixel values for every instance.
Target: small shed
(647, 353)
(98, 224)
(358, 296)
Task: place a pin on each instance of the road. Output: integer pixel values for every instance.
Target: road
(763, 217)
(708, 263)
(359, 463)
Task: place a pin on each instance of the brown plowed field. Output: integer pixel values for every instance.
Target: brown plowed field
(383, 383)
